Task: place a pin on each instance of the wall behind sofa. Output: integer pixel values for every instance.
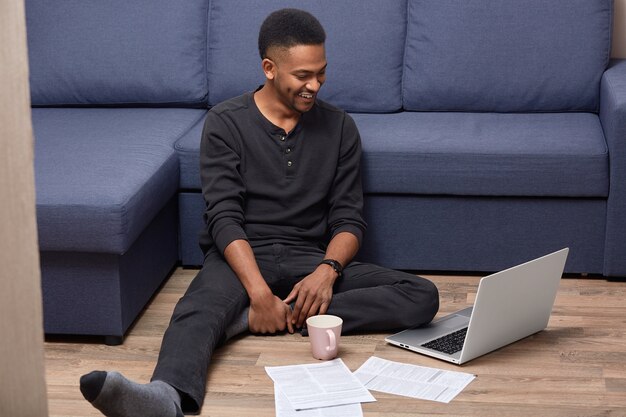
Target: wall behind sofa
(619, 29)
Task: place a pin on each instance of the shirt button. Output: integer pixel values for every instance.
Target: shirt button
(282, 138)
(289, 163)
(288, 150)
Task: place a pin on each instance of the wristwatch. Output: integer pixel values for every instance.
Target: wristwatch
(335, 265)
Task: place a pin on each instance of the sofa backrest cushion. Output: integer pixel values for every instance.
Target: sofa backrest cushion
(87, 52)
(364, 49)
(506, 55)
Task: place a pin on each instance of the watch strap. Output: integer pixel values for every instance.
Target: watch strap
(336, 265)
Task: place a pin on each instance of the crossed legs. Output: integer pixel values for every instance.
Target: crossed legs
(367, 298)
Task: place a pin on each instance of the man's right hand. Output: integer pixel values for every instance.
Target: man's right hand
(269, 314)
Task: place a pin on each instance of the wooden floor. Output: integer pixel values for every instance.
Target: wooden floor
(576, 367)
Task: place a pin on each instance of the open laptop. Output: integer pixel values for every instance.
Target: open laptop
(509, 306)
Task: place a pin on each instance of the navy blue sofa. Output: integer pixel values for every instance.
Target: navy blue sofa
(493, 132)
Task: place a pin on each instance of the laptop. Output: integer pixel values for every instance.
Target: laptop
(510, 305)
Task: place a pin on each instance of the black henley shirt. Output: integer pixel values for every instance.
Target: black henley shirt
(260, 183)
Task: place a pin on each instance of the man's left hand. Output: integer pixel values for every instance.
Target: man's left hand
(312, 295)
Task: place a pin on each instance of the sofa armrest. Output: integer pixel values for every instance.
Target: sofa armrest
(613, 119)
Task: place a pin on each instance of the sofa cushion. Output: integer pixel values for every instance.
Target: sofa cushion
(188, 151)
(506, 55)
(117, 51)
(484, 154)
(103, 174)
(364, 62)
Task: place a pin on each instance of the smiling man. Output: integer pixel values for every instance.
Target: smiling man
(280, 174)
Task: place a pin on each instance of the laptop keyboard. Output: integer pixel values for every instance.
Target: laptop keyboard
(450, 343)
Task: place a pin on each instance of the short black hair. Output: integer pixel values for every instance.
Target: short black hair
(289, 27)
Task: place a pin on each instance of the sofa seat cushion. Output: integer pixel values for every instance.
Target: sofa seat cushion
(103, 174)
(484, 154)
(188, 150)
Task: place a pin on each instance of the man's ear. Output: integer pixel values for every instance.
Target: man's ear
(269, 68)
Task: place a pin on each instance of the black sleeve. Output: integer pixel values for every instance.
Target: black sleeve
(222, 185)
(346, 196)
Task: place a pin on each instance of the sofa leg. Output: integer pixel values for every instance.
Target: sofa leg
(113, 340)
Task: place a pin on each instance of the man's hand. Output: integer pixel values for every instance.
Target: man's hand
(312, 295)
(269, 314)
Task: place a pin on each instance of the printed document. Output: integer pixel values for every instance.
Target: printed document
(284, 409)
(411, 380)
(318, 385)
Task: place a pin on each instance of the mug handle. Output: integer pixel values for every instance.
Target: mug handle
(333, 340)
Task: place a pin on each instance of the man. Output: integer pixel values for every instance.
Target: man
(281, 180)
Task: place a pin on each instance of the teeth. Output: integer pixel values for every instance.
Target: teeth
(306, 95)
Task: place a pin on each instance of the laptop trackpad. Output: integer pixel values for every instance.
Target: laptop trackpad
(454, 322)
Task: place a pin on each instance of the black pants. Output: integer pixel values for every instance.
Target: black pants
(368, 298)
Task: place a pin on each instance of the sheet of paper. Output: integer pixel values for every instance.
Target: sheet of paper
(411, 380)
(283, 408)
(323, 384)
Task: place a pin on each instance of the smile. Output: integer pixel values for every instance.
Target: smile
(307, 96)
